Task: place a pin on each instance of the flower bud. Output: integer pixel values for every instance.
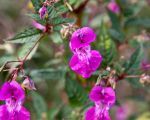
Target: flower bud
(28, 84)
(145, 79)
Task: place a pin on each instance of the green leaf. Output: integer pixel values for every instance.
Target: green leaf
(64, 113)
(52, 113)
(106, 46)
(48, 74)
(57, 9)
(115, 20)
(117, 35)
(52, 12)
(135, 59)
(32, 46)
(76, 93)
(28, 35)
(37, 18)
(39, 104)
(61, 20)
(137, 22)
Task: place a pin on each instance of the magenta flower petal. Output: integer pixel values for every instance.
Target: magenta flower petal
(5, 91)
(80, 67)
(23, 114)
(82, 37)
(4, 113)
(87, 66)
(14, 95)
(95, 60)
(11, 89)
(104, 94)
(104, 116)
(17, 90)
(109, 95)
(90, 114)
(95, 94)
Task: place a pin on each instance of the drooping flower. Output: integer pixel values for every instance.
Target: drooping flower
(13, 95)
(85, 61)
(43, 12)
(82, 37)
(114, 7)
(104, 98)
(38, 26)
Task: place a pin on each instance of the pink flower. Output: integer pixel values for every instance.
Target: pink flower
(95, 113)
(104, 98)
(84, 60)
(121, 113)
(106, 95)
(13, 95)
(43, 12)
(114, 7)
(82, 37)
(145, 65)
(38, 26)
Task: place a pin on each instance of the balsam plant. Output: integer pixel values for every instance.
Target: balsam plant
(77, 60)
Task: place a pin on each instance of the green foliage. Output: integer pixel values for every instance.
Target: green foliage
(39, 105)
(29, 48)
(135, 59)
(26, 36)
(138, 22)
(48, 74)
(37, 4)
(37, 18)
(117, 35)
(76, 93)
(115, 20)
(106, 46)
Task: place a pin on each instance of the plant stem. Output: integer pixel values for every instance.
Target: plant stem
(25, 58)
(132, 76)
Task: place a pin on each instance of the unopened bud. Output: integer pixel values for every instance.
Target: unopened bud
(145, 79)
(67, 30)
(28, 84)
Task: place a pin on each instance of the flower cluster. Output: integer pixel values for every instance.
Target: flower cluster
(104, 98)
(114, 7)
(84, 60)
(13, 95)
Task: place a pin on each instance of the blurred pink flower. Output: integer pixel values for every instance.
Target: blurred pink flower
(145, 65)
(121, 113)
(114, 7)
